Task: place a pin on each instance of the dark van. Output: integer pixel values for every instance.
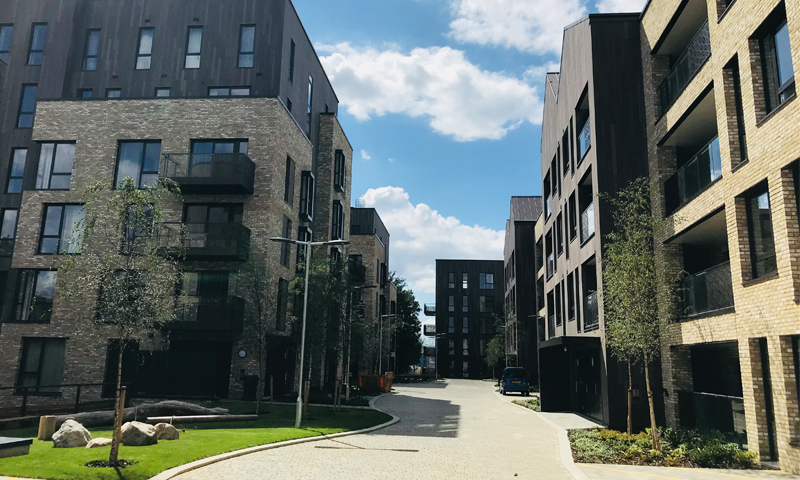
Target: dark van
(514, 379)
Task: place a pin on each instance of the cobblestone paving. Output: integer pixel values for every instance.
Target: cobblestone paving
(454, 430)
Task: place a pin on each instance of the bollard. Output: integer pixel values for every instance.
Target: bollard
(47, 427)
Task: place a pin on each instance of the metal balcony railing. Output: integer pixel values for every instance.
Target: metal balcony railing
(694, 177)
(708, 411)
(215, 313)
(587, 223)
(430, 310)
(590, 316)
(684, 69)
(707, 291)
(585, 139)
(208, 241)
(198, 173)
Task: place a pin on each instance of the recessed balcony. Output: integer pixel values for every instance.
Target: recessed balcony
(683, 70)
(703, 169)
(208, 241)
(209, 313)
(210, 173)
(709, 290)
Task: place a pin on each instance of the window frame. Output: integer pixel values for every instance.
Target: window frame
(755, 194)
(339, 170)
(162, 89)
(337, 222)
(451, 280)
(49, 174)
(464, 303)
(292, 53)
(193, 54)
(144, 56)
(45, 353)
(87, 55)
(230, 90)
(31, 50)
(286, 247)
(307, 192)
(5, 55)
(289, 182)
(310, 100)
(483, 280)
(59, 237)
(251, 52)
(82, 93)
(21, 176)
(22, 313)
(26, 113)
(142, 157)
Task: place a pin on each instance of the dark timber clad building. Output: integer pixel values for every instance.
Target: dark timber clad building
(593, 142)
(98, 90)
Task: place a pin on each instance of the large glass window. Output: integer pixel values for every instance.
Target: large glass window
(209, 284)
(27, 107)
(8, 229)
(16, 170)
(144, 51)
(337, 231)
(41, 368)
(307, 196)
(139, 161)
(6, 33)
(247, 43)
(91, 49)
(762, 243)
(204, 153)
(783, 60)
(486, 281)
(288, 188)
(194, 41)
(36, 51)
(62, 229)
(339, 170)
(776, 60)
(36, 290)
(487, 304)
(55, 166)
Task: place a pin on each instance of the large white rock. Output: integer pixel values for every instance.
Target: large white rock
(99, 442)
(138, 434)
(71, 435)
(165, 431)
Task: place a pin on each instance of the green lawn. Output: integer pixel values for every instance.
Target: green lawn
(198, 441)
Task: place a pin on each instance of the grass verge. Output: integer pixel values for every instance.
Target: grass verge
(197, 441)
(532, 403)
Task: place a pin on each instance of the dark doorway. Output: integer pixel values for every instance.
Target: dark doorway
(588, 395)
(768, 403)
(280, 366)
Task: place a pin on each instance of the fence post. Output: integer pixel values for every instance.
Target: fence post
(78, 400)
(24, 402)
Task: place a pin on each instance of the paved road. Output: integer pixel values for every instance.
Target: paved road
(455, 430)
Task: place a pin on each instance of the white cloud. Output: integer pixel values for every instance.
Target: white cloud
(440, 83)
(619, 6)
(419, 235)
(365, 155)
(391, 160)
(535, 74)
(532, 26)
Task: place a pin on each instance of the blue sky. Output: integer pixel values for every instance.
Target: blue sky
(442, 102)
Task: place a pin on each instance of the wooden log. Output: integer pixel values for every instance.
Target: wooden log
(168, 407)
(201, 419)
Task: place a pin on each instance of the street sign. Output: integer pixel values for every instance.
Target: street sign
(430, 330)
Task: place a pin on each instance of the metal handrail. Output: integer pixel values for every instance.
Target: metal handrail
(702, 294)
(678, 183)
(693, 57)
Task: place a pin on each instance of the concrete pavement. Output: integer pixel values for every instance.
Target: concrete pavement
(631, 472)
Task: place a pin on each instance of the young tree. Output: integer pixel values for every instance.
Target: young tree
(408, 342)
(497, 348)
(128, 268)
(633, 284)
(259, 325)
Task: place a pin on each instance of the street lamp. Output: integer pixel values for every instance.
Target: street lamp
(307, 245)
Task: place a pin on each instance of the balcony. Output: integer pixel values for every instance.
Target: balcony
(6, 247)
(210, 173)
(707, 291)
(222, 314)
(208, 241)
(584, 140)
(684, 69)
(694, 177)
(590, 317)
(430, 310)
(587, 223)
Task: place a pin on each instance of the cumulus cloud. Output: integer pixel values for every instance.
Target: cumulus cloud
(458, 97)
(420, 235)
(535, 74)
(531, 26)
(365, 155)
(619, 6)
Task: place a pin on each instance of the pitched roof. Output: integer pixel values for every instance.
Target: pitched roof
(526, 209)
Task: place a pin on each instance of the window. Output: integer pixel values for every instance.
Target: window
(229, 92)
(339, 168)
(465, 352)
(558, 304)
(163, 92)
(16, 170)
(550, 265)
(777, 72)
(451, 303)
(35, 292)
(283, 300)
(202, 213)
(337, 232)
(113, 93)
(85, 93)
(41, 368)
(144, 51)
(286, 248)
(247, 42)
(570, 297)
(451, 280)
(464, 280)
(55, 166)
(204, 154)
(90, 50)
(289, 104)
(486, 280)
(573, 218)
(139, 161)
(559, 235)
(288, 187)
(451, 349)
(307, 183)
(759, 225)
(304, 235)
(62, 229)
(310, 96)
(734, 84)
(6, 33)
(464, 303)
(487, 304)
(8, 229)
(36, 51)
(194, 40)
(291, 62)
(27, 107)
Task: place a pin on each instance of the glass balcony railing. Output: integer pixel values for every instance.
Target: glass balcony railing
(584, 140)
(198, 173)
(694, 177)
(688, 64)
(707, 291)
(208, 241)
(219, 313)
(590, 318)
(587, 223)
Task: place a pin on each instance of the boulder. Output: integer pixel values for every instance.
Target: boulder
(165, 431)
(71, 435)
(138, 434)
(99, 442)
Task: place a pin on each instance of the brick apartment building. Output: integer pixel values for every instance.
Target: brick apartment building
(722, 121)
(86, 98)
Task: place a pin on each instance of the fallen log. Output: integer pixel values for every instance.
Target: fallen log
(168, 407)
(201, 419)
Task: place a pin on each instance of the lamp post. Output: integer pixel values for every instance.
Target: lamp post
(307, 245)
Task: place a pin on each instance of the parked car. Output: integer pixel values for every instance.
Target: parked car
(514, 379)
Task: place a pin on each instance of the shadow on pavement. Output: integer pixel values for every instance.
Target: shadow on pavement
(421, 385)
(421, 417)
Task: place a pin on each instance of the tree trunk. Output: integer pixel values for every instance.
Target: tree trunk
(630, 399)
(653, 426)
(116, 437)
